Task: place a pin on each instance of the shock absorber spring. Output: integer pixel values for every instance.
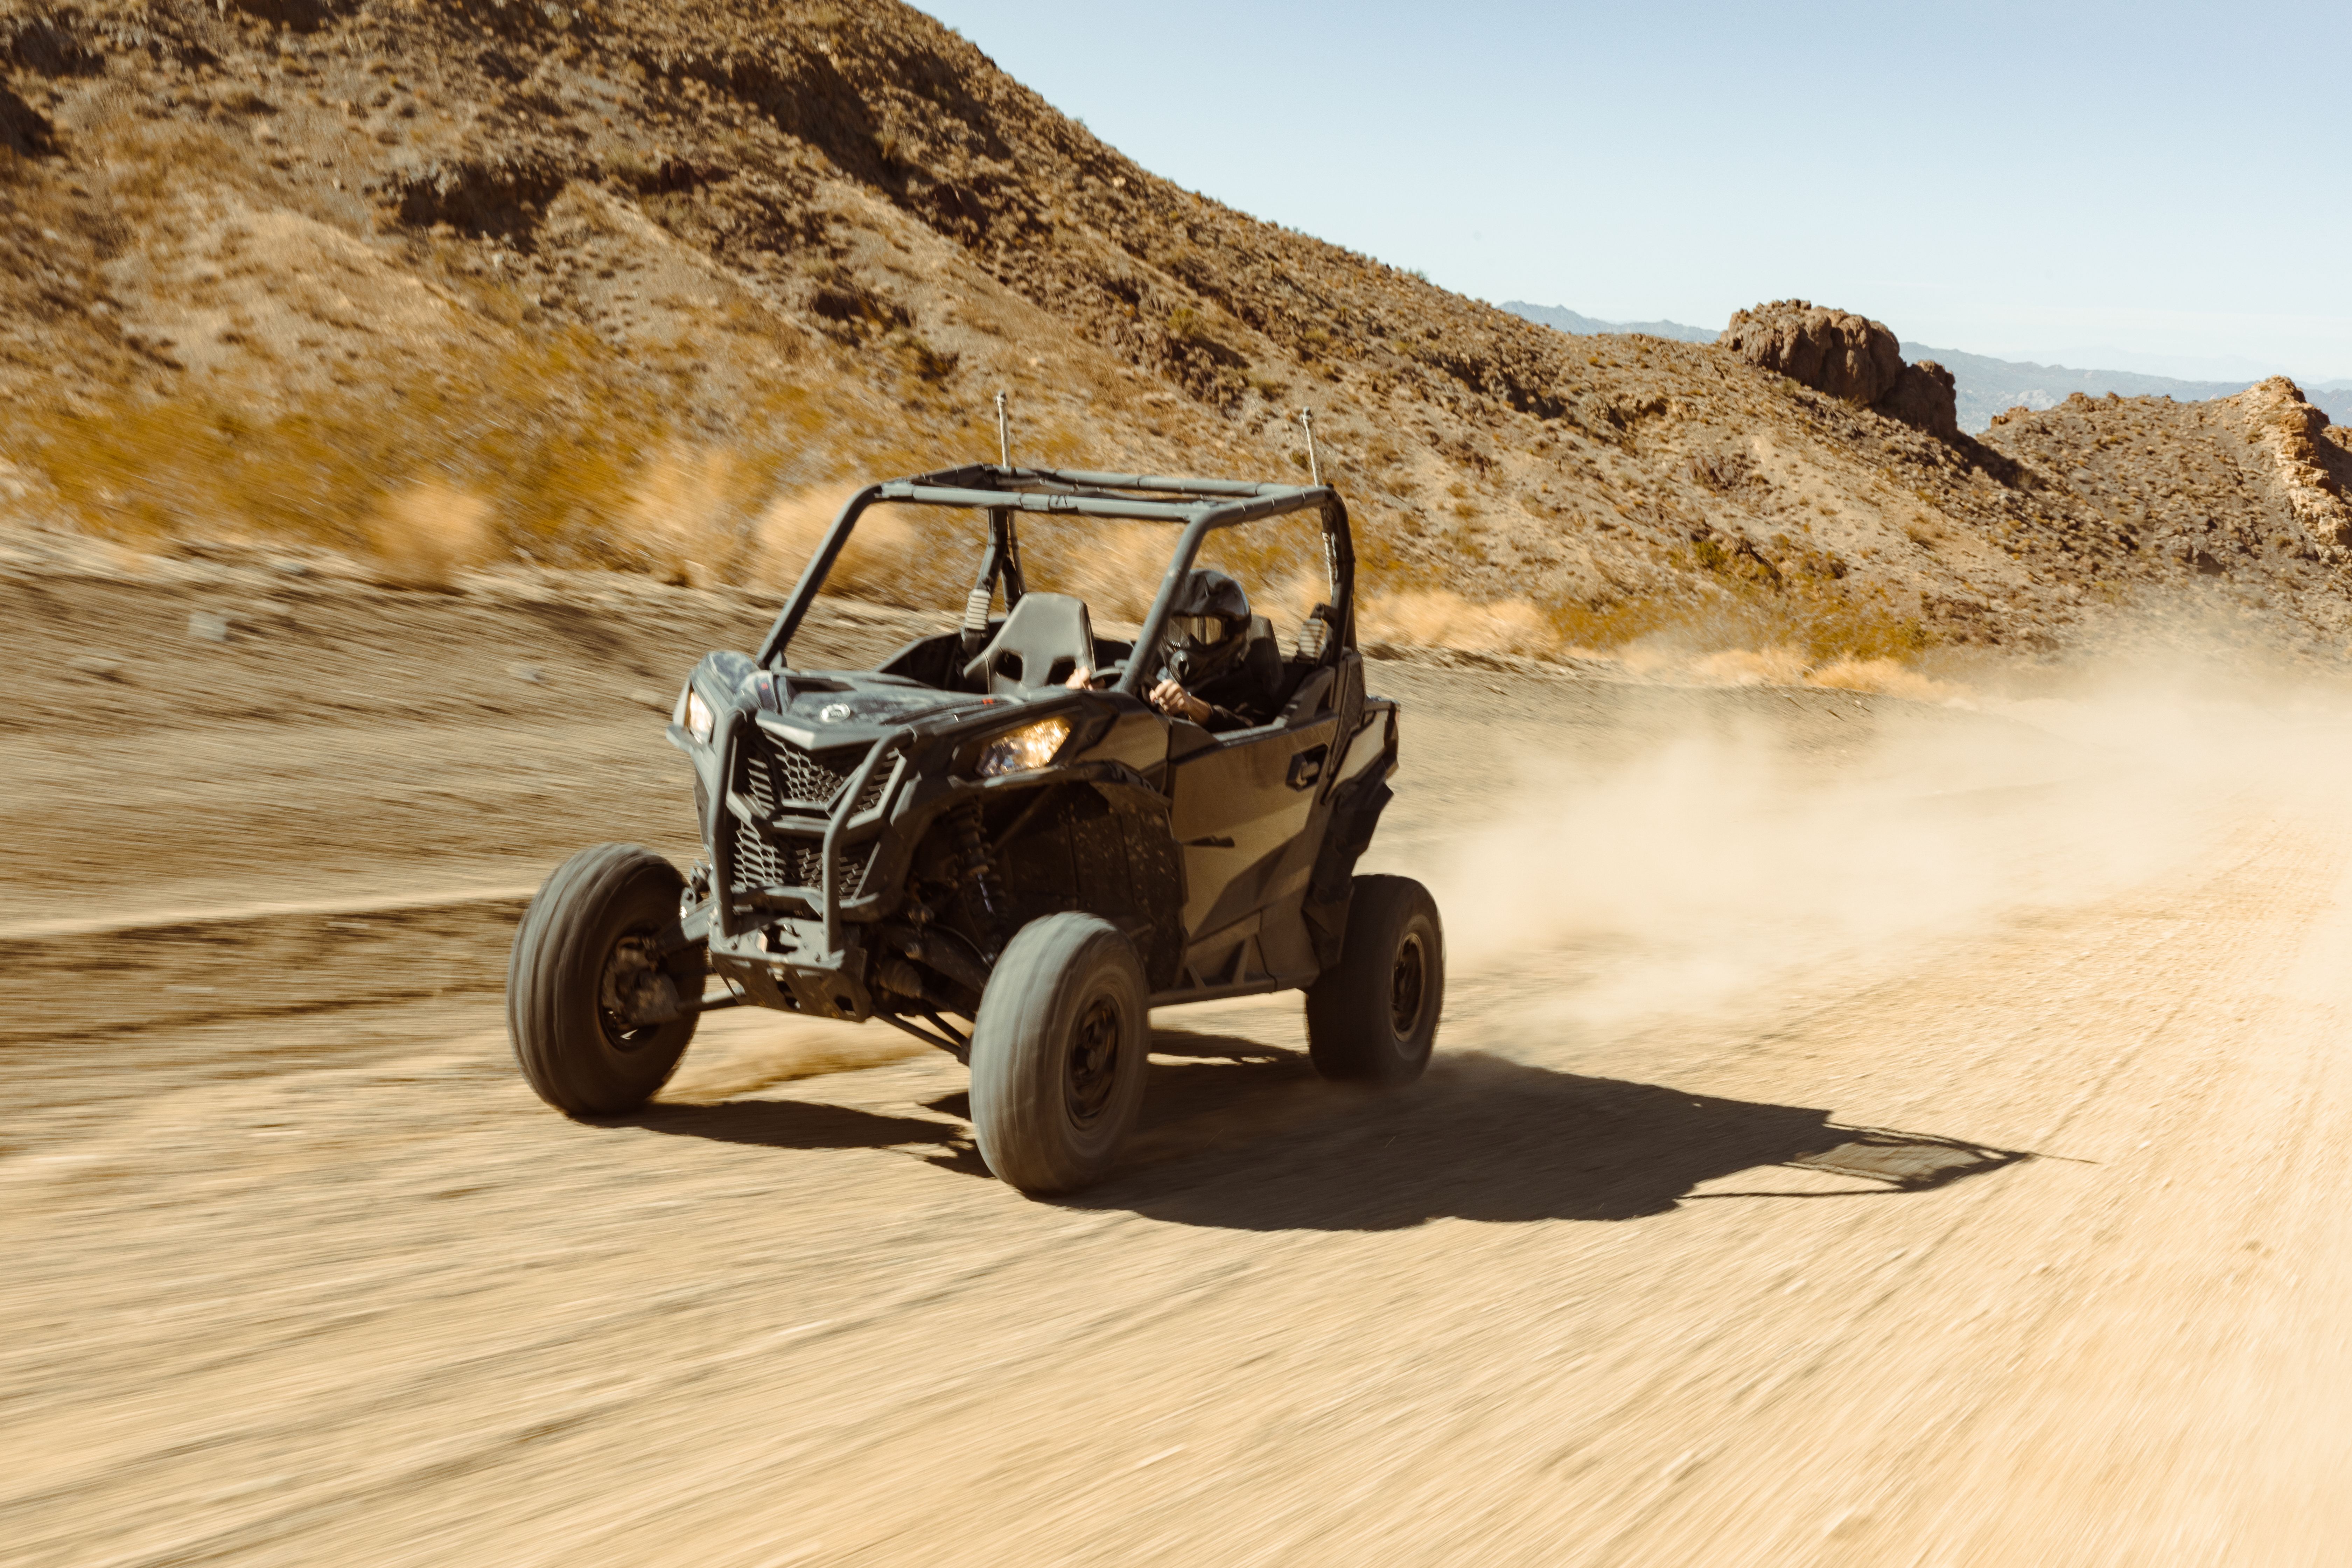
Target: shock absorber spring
(984, 899)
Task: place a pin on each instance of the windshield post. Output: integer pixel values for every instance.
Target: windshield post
(1339, 562)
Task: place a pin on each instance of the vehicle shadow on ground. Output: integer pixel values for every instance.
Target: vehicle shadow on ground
(815, 1124)
(793, 1124)
(1262, 1144)
(1239, 1135)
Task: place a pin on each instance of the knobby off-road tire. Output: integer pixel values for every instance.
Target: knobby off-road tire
(1372, 1017)
(1058, 1054)
(573, 1050)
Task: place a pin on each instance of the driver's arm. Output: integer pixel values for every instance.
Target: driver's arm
(1173, 700)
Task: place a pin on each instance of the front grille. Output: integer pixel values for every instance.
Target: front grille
(762, 864)
(777, 776)
(775, 773)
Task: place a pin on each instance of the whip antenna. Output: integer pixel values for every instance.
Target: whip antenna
(1314, 468)
(1003, 433)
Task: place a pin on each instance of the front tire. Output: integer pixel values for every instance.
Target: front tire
(1058, 1054)
(1372, 1017)
(583, 965)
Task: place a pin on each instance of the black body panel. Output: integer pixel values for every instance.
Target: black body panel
(863, 861)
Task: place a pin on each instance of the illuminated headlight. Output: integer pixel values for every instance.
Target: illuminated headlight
(695, 714)
(1018, 751)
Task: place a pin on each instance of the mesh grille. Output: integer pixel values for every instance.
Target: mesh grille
(760, 864)
(775, 773)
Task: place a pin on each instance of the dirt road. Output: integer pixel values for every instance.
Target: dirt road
(1860, 1133)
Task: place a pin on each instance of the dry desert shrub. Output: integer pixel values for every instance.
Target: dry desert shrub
(917, 558)
(1115, 565)
(1442, 618)
(1823, 627)
(423, 534)
(554, 470)
(1922, 530)
(684, 515)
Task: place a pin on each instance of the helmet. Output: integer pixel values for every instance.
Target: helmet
(1207, 627)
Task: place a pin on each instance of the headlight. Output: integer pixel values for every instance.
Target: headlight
(695, 715)
(1018, 751)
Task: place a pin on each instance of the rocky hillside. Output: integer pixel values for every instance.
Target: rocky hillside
(623, 284)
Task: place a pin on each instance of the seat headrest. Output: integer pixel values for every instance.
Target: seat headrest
(1045, 638)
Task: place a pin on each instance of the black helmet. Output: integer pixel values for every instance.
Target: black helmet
(1207, 627)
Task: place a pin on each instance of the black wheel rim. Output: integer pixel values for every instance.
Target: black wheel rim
(1092, 1067)
(1408, 986)
(621, 1035)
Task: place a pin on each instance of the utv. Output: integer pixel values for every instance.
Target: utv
(1014, 869)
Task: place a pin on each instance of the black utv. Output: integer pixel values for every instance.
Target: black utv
(967, 846)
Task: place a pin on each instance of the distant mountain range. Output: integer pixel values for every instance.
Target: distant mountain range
(1982, 387)
(1568, 320)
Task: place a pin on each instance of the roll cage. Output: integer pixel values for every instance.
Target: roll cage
(1201, 506)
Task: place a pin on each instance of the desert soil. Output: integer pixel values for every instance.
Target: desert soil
(1838, 1150)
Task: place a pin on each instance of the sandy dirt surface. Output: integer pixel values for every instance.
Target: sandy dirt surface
(1861, 1132)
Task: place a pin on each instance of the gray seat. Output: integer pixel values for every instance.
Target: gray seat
(1045, 638)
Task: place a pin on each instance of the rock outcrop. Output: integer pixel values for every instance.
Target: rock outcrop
(1836, 352)
(1924, 397)
(1847, 356)
(2306, 466)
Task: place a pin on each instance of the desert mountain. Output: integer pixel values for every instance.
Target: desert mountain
(1982, 386)
(1988, 387)
(1566, 320)
(618, 284)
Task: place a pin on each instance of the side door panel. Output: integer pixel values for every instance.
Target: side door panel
(1243, 809)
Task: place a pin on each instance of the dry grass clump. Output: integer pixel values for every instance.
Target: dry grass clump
(1761, 636)
(551, 452)
(423, 534)
(1439, 617)
(1115, 565)
(1821, 627)
(557, 458)
(686, 514)
(1886, 677)
(913, 557)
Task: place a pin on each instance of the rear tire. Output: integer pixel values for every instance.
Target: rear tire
(1372, 1017)
(586, 933)
(1058, 1054)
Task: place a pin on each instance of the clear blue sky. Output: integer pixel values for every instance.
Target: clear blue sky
(2161, 184)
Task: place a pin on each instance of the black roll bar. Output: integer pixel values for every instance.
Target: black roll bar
(1206, 505)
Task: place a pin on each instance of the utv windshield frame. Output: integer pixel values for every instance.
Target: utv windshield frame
(1201, 506)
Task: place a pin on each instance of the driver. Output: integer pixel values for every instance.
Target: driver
(1218, 675)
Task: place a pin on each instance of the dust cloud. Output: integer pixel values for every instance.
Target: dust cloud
(1707, 870)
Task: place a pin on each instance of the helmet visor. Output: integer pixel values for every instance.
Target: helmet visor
(1206, 631)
